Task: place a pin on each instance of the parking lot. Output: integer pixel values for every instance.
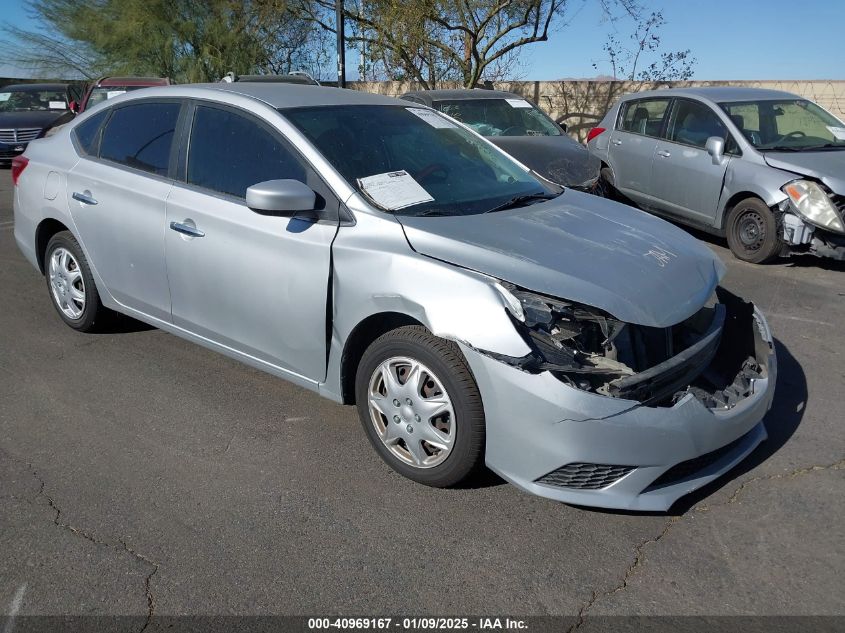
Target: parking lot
(143, 475)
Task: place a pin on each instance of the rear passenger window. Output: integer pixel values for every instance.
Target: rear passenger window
(87, 133)
(230, 152)
(140, 136)
(644, 116)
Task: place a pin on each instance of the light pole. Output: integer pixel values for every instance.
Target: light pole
(341, 46)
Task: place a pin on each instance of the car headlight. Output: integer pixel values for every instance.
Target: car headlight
(564, 335)
(814, 205)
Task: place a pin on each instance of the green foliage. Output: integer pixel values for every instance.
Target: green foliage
(187, 40)
(435, 40)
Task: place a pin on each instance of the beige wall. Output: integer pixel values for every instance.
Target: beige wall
(581, 104)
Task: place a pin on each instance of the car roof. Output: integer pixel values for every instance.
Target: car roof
(133, 81)
(16, 87)
(279, 95)
(719, 94)
(430, 96)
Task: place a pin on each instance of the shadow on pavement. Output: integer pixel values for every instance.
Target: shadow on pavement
(122, 324)
(782, 420)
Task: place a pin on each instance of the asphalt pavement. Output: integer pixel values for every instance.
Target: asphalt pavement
(143, 475)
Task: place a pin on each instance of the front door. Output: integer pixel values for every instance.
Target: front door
(686, 183)
(255, 283)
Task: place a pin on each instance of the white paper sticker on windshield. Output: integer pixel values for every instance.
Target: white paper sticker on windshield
(111, 94)
(394, 190)
(58, 105)
(518, 103)
(432, 118)
(838, 132)
(4, 96)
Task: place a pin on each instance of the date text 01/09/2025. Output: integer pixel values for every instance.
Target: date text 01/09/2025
(417, 623)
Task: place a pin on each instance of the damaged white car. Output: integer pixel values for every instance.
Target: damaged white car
(382, 254)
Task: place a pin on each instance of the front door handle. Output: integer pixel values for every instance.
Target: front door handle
(664, 153)
(84, 198)
(616, 141)
(186, 229)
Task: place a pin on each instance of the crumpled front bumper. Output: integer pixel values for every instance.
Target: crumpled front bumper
(536, 425)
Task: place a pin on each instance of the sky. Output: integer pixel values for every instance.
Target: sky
(730, 39)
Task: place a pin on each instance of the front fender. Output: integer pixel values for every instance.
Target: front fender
(761, 180)
(375, 271)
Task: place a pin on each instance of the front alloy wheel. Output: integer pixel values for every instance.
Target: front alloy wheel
(420, 406)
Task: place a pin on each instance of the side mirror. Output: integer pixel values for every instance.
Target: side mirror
(564, 127)
(73, 107)
(284, 197)
(715, 146)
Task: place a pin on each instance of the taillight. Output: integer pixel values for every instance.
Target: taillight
(19, 163)
(594, 133)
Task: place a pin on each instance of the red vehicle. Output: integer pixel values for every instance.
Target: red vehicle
(109, 87)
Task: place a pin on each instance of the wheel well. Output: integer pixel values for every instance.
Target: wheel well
(733, 201)
(47, 229)
(359, 340)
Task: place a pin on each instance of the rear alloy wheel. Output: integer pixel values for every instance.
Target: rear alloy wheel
(420, 407)
(71, 284)
(752, 232)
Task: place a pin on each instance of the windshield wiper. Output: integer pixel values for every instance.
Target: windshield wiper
(521, 200)
(812, 148)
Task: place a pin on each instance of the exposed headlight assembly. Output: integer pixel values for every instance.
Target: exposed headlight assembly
(813, 204)
(565, 336)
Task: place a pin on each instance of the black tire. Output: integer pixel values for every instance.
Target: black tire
(752, 231)
(446, 361)
(607, 186)
(93, 314)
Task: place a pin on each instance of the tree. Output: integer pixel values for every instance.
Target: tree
(188, 40)
(624, 61)
(430, 41)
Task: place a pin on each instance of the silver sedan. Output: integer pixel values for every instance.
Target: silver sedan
(384, 255)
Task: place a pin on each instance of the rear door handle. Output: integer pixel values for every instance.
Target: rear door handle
(616, 141)
(84, 198)
(186, 229)
(664, 153)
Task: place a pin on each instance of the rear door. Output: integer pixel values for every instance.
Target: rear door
(251, 282)
(633, 143)
(116, 194)
(686, 183)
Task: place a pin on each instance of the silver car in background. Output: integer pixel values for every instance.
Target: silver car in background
(383, 255)
(763, 168)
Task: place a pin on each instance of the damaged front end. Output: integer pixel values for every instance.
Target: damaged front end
(715, 355)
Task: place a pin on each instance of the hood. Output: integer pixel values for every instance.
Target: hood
(827, 166)
(583, 248)
(29, 118)
(557, 158)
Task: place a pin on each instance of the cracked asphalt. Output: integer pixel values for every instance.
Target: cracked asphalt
(143, 475)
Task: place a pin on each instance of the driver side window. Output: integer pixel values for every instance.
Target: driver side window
(229, 152)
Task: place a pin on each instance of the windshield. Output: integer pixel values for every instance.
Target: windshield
(32, 100)
(789, 125)
(500, 117)
(450, 171)
(102, 93)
